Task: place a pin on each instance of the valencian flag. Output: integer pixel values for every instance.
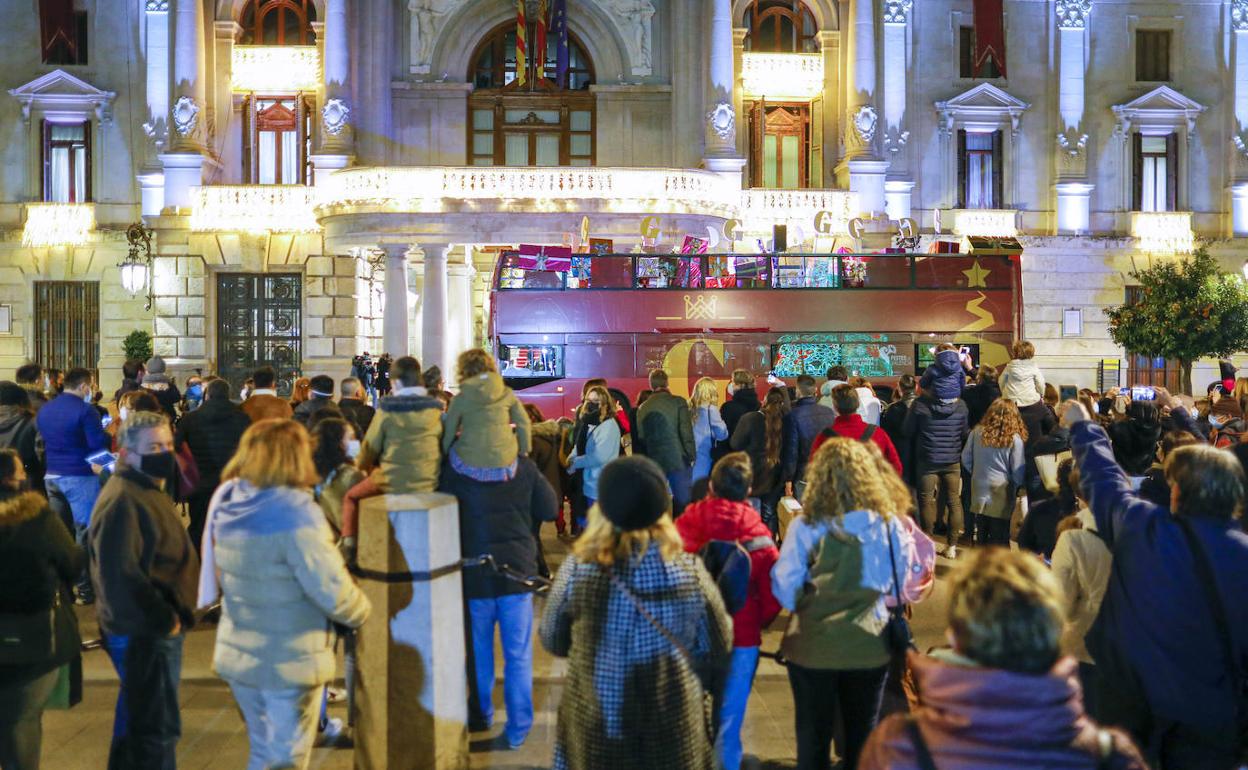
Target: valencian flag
(989, 33)
(559, 30)
(56, 22)
(539, 54)
(522, 59)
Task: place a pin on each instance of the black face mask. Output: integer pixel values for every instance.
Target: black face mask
(159, 465)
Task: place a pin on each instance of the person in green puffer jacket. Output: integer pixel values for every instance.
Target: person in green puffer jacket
(835, 571)
(477, 432)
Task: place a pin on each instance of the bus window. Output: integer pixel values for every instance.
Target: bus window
(873, 359)
(749, 271)
(525, 361)
(601, 272)
(806, 272)
(519, 271)
(669, 272)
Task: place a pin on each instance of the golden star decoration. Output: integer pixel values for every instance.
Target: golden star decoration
(976, 277)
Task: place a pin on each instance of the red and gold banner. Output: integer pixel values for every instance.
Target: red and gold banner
(989, 34)
(56, 22)
(522, 58)
(540, 53)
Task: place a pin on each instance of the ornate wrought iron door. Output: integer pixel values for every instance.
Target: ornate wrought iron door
(260, 322)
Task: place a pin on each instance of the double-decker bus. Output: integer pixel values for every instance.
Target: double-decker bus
(556, 323)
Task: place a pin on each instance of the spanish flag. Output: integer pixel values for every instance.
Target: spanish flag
(540, 53)
(522, 59)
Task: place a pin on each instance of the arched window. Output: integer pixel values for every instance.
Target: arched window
(534, 124)
(494, 61)
(278, 22)
(780, 26)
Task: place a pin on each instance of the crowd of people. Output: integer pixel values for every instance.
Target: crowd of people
(1108, 638)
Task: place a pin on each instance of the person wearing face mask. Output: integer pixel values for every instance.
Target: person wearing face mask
(38, 561)
(145, 572)
(212, 432)
(335, 445)
(72, 431)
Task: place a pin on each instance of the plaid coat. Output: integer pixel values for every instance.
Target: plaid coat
(632, 700)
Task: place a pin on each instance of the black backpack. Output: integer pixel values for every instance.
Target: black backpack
(728, 561)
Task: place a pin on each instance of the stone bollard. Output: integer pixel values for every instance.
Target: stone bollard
(411, 682)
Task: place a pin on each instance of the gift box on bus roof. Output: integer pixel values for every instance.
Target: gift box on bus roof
(557, 259)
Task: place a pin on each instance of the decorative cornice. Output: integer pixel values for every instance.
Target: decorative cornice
(1073, 14)
(897, 11)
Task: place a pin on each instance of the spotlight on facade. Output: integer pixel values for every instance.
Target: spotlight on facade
(136, 268)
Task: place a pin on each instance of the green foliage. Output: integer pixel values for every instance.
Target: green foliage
(137, 344)
(1189, 310)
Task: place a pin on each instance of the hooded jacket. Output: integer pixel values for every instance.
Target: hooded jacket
(945, 378)
(853, 427)
(478, 423)
(37, 558)
(717, 519)
(976, 718)
(742, 403)
(18, 432)
(940, 431)
(404, 443)
(282, 582)
(1022, 382)
(157, 381)
(893, 422)
(803, 424)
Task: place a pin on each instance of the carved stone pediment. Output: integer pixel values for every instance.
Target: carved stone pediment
(60, 94)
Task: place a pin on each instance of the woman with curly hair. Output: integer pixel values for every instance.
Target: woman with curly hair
(840, 560)
(995, 456)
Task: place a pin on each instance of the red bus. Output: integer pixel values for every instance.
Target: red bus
(556, 323)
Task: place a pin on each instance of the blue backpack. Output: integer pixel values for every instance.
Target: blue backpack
(729, 563)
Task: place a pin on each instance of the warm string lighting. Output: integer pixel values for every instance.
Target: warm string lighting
(275, 68)
(254, 209)
(1163, 232)
(998, 223)
(781, 76)
(58, 224)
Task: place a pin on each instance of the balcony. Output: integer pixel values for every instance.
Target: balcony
(1163, 232)
(782, 76)
(827, 212)
(58, 224)
(254, 209)
(556, 190)
(999, 223)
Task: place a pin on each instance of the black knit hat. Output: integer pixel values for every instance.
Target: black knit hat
(633, 493)
(12, 394)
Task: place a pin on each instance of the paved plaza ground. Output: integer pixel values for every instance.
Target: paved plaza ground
(213, 735)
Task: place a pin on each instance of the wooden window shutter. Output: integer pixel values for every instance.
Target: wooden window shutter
(249, 165)
(758, 113)
(1137, 172)
(961, 168)
(1172, 172)
(47, 161)
(998, 170)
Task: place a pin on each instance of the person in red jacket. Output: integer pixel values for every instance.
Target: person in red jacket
(725, 515)
(848, 424)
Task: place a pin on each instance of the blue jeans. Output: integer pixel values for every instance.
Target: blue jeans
(681, 482)
(147, 722)
(80, 493)
(513, 614)
(737, 685)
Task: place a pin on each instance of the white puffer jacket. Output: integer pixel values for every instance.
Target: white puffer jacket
(1022, 382)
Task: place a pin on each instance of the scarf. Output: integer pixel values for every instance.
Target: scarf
(585, 426)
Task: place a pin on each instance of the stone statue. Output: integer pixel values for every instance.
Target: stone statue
(428, 17)
(636, 15)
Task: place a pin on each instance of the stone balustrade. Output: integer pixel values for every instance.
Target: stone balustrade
(1163, 232)
(253, 208)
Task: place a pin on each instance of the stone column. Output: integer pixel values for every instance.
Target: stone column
(395, 311)
(1074, 197)
(433, 338)
(864, 168)
(1239, 209)
(334, 120)
(459, 307)
(156, 53)
(412, 689)
(721, 116)
(185, 160)
(898, 188)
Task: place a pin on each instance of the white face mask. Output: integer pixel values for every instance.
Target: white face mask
(353, 448)
(242, 394)
(123, 413)
(86, 397)
(1216, 422)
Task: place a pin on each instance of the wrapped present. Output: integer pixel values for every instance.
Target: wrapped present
(693, 245)
(557, 259)
(601, 246)
(689, 273)
(752, 267)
